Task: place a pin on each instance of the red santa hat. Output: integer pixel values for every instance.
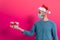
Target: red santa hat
(44, 9)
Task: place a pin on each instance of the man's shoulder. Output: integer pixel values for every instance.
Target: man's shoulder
(52, 22)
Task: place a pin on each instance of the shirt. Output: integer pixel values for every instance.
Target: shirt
(45, 30)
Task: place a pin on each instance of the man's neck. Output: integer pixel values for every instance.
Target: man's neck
(45, 18)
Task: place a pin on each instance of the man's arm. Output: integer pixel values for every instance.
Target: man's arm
(29, 33)
(54, 32)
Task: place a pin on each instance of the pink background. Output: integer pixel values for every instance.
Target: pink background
(25, 12)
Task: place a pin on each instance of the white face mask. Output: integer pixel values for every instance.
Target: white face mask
(40, 16)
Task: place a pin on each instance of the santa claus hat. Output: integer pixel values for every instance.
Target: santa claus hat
(44, 9)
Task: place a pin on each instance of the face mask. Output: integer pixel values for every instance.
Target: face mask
(40, 16)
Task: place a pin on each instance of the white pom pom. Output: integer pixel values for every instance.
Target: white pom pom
(49, 12)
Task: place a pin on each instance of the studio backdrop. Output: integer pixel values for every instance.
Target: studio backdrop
(26, 13)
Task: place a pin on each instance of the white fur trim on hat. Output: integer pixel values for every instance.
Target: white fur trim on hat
(42, 9)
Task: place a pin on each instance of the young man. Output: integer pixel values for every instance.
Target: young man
(45, 29)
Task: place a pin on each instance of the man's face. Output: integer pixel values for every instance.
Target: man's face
(42, 13)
